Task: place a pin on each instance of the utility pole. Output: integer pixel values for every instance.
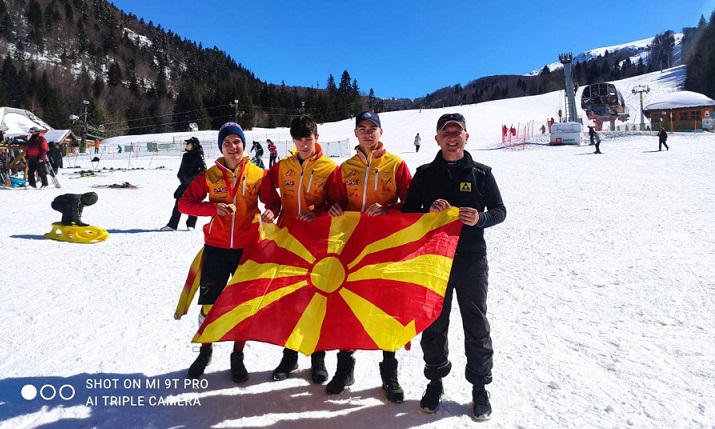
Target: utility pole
(640, 89)
(83, 145)
(235, 106)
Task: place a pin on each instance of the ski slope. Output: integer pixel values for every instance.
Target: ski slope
(602, 296)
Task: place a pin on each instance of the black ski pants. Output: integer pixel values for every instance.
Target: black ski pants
(176, 216)
(218, 267)
(469, 278)
(662, 143)
(36, 166)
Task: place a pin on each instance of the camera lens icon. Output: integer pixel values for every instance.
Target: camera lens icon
(48, 392)
(28, 392)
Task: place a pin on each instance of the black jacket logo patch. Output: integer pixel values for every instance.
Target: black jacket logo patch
(465, 187)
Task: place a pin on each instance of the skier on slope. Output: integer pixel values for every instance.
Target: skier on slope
(662, 138)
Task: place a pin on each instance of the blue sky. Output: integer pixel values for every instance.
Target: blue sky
(409, 48)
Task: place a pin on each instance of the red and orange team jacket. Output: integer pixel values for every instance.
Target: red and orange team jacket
(302, 186)
(240, 187)
(380, 177)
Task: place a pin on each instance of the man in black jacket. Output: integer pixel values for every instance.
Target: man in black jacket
(192, 163)
(454, 179)
(662, 138)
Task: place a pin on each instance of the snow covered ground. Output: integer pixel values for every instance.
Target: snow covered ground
(602, 297)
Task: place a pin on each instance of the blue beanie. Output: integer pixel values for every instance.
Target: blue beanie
(227, 129)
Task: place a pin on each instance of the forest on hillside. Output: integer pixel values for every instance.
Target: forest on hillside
(60, 57)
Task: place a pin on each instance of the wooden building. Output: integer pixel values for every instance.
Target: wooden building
(681, 111)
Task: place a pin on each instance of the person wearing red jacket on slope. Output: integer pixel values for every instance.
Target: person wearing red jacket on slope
(232, 185)
(36, 154)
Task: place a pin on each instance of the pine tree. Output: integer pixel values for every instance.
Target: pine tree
(6, 25)
(700, 75)
(34, 19)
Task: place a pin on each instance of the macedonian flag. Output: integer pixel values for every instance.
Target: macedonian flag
(348, 282)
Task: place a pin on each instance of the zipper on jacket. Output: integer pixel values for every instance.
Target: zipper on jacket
(233, 215)
(376, 177)
(364, 186)
(243, 187)
(310, 181)
(300, 189)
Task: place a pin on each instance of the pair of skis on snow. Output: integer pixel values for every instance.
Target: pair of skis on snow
(51, 172)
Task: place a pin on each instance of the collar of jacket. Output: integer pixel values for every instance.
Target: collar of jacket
(378, 152)
(440, 161)
(222, 166)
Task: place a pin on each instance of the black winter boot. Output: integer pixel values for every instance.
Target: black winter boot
(392, 388)
(288, 364)
(432, 396)
(202, 361)
(482, 407)
(317, 368)
(343, 374)
(239, 374)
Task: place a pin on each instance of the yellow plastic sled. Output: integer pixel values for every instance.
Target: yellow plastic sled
(77, 234)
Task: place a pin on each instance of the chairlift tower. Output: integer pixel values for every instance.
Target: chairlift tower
(640, 89)
(566, 60)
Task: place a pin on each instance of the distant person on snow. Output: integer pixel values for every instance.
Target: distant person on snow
(259, 154)
(418, 142)
(598, 142)
(54, 156)
(272, 152)
(192, 163)
(591, 135)
(71, 206)
(36, 153)
(662, 138)
(231, 186)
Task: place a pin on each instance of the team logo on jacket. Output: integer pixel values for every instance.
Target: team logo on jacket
(221, 190)
(465, 187)
(352, 173)
(290, 173)
(290, 183)
(353, 182)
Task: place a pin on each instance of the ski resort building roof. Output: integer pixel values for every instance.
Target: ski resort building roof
(680, 100)
(19, 121)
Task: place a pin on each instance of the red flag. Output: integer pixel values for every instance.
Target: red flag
(349, 282)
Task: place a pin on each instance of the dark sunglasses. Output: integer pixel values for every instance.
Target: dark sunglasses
(457, 117)
(451, 117)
